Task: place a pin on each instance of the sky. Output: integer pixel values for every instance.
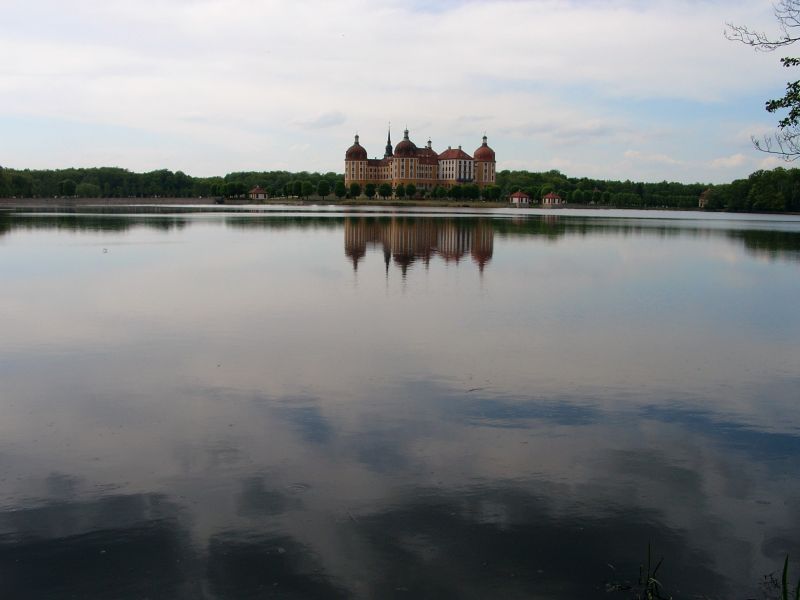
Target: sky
(647, 90)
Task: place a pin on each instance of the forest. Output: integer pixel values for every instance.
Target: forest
(776, 190)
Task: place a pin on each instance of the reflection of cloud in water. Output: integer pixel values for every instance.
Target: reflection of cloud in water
(261, 420)
(244, 565)
(769, 447)
(499, 541)
(503, 542)
(306, 418)
(138, 546)
(256, 500)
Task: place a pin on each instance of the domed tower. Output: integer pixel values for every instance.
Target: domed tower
(484, 165)
(428, 167)
(405, 164)
(355, 164)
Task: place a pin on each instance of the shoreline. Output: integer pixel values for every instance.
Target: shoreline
(69, 204)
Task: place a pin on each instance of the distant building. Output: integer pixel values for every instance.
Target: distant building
(423, 167)
(258, 193)
(520, 199)
(703, 200)
(552, 199)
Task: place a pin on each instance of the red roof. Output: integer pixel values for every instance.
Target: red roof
(453, 154)
(257, 190)
(552, 196)
(427, 156)
(484, 153)
(406, 148)
(520, 195)
(356, 151)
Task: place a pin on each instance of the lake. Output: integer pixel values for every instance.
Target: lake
(411, 404)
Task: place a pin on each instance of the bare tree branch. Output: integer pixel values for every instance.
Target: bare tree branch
(787, 12)
(784, 143)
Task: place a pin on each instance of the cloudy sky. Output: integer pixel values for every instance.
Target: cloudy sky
(640, 89)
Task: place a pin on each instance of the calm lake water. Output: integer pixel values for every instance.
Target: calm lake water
(397, 405)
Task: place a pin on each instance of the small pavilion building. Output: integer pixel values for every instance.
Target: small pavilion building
(258, 193)
(520, 199)
(552, 199)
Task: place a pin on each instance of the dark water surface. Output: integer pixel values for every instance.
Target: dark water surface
(321, 405)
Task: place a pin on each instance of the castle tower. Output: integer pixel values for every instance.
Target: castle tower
(485, 165)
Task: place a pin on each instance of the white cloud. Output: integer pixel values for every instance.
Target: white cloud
(727, 162)
(328, 119)
(770, 162)
(249, 77)
(637, 156)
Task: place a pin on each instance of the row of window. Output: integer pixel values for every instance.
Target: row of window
(448, 169)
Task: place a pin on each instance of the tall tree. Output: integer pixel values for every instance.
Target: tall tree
(340, 190)
(384, 190)
(323, 188)
(471, 191)
(369, 190)
(400, 190)
(355, 190)
(307, 188)
(66, 187)
(411, 190)
(786, 140)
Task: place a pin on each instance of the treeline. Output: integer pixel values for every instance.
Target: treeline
(113, 182)
(584, 190)
(775, 190)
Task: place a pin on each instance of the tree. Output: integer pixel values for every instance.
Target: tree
(471, 191)
(22, 185)
(5, 184)
(491, 192)
(411, 190)
(66, 187)
(297, 188)
(307, 188)
(340, 190)
(87, 190)
(323, 188)
(400, 191)
(456, 192)
(384, 190)
(369, 190)
(355, 190)
(786, 140)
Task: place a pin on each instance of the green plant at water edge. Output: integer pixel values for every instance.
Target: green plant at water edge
(772, 589)
(650, 587)
(771, 585)
(785, 587)
(647, 587)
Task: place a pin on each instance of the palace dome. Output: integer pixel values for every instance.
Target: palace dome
(484, 153)
(356, 152)
(406, 148)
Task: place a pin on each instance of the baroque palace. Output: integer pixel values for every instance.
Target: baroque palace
(423, 167)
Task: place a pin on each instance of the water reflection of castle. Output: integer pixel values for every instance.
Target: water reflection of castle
(407, 240)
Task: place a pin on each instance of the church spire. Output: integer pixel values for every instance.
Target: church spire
(388, 152)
